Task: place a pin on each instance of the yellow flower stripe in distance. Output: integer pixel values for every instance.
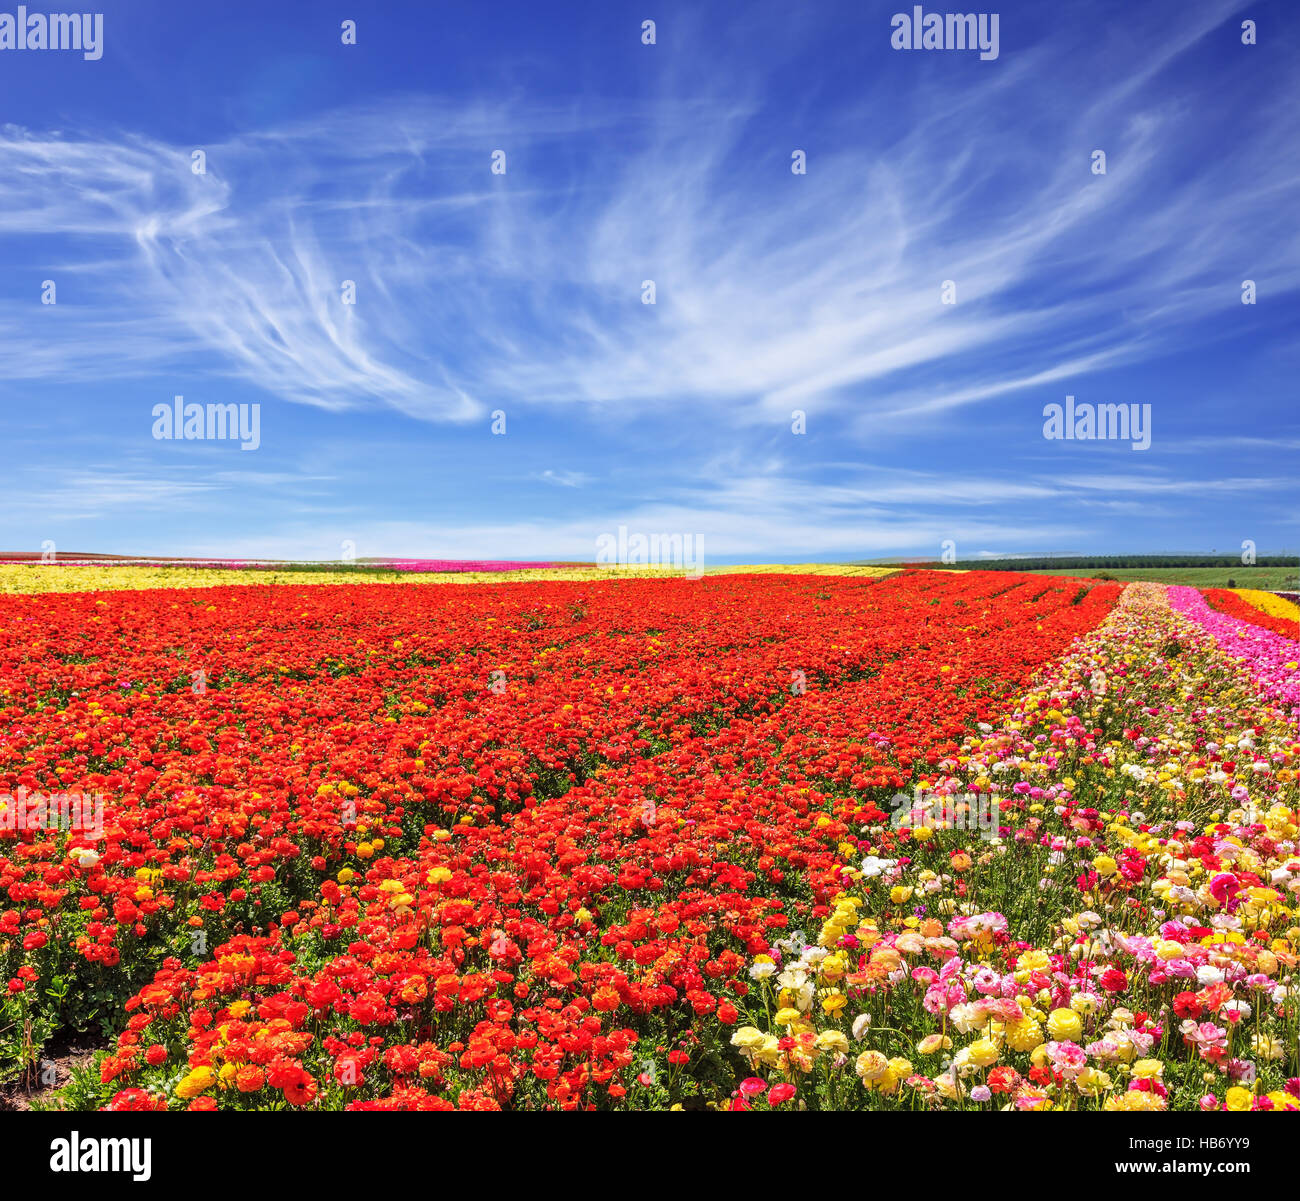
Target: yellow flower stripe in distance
(804, 569)
(54, 577)
(1270, 603)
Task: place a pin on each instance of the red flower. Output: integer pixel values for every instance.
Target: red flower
(302, 1091)
(1186, 1005)
(1113, 980)
(778, 1094)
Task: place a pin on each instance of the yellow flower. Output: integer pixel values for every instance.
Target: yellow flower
(833, 1041)
(983, 1053)
(933, 1043)
(886, 1083)
(871, 1065)
(1024, 1035)
(946, 1086)
(1239, 1099)
(1105, 865)
(1148, 1069)
(1090, 1082)
(747, 1038)
(195, 1082)
(1064, 1025)
(1133, 1101)
(769, 1053)
(785, 1016)
(1266, 1047)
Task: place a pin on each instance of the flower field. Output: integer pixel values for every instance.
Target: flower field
(850, 840)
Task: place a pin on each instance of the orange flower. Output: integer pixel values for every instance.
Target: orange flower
(605, 999)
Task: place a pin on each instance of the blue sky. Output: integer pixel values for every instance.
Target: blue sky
(625, 162)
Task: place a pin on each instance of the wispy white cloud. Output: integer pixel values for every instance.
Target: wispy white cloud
(774, 291)
(1191, 487)
(88, 494)
(564, 479)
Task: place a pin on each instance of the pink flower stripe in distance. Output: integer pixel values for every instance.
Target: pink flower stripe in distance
(1271, 659)
(456, 565)
(413, 565)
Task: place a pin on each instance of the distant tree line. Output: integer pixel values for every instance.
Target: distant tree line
(1121, 562)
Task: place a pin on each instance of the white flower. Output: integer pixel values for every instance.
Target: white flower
(861, 1024)
(872, 866)
(967, 1017)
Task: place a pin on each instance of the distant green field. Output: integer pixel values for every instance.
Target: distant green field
(1273, 579)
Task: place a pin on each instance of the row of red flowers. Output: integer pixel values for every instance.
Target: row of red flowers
(508, 845)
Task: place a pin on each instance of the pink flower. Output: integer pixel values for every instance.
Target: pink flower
(751, 1086)
(1221, 884)
(935, 1000)
(1067, 1058)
